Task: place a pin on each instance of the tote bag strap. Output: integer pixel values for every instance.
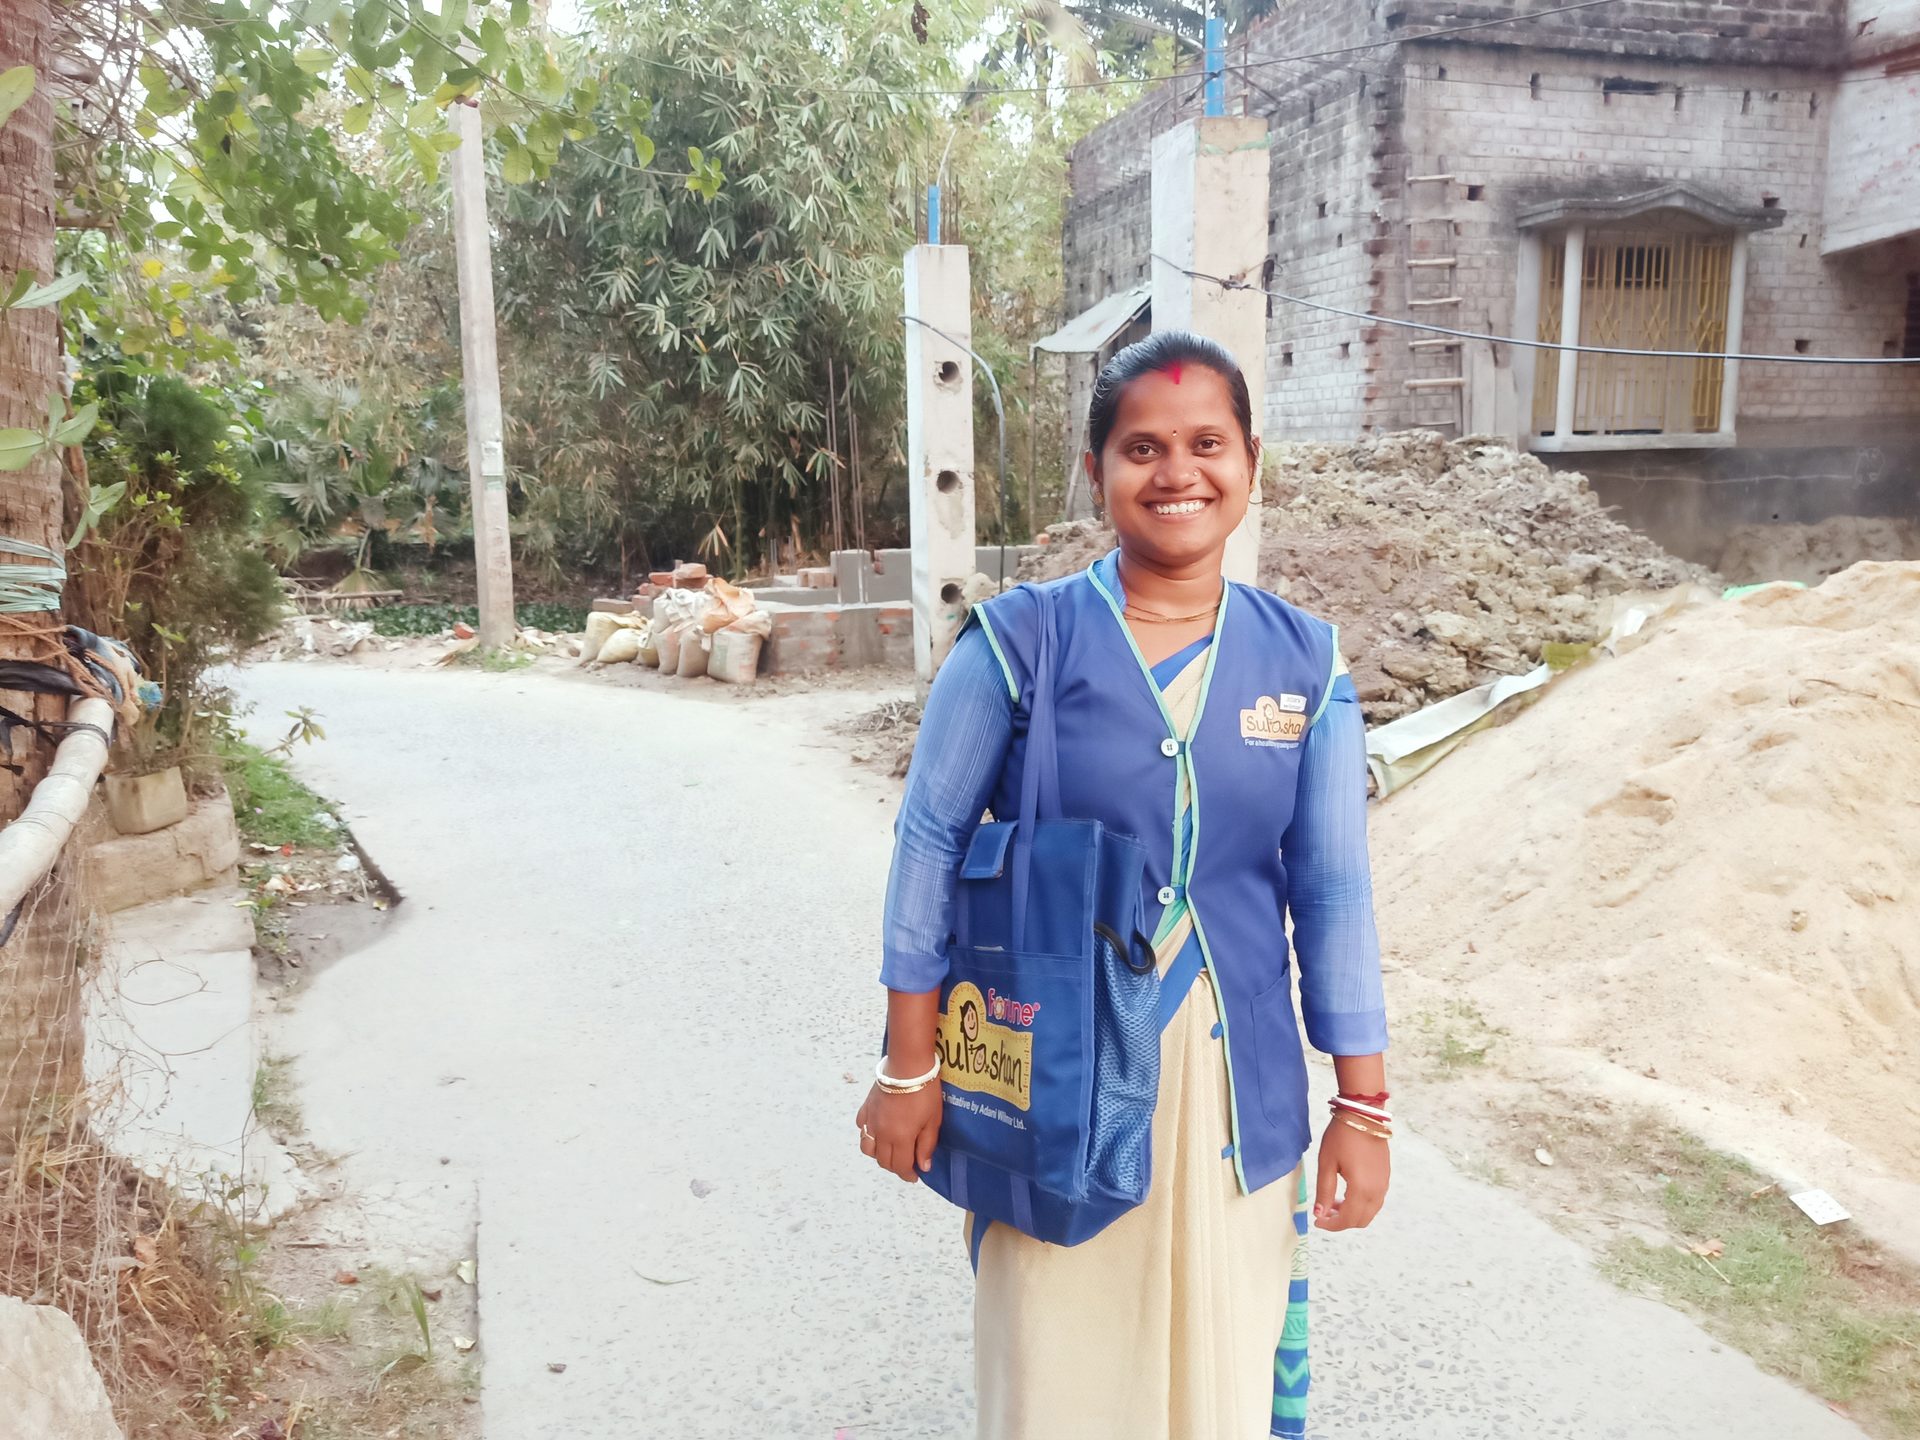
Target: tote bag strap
(1040, 777)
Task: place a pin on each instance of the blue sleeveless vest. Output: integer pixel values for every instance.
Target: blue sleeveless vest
(1269, 675)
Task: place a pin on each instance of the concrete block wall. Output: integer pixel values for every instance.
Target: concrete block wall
(1328, 240)
(1513, 122)
(1324, 119)
(1752, 85)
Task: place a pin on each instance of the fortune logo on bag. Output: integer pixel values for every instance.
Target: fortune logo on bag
(978, 1054)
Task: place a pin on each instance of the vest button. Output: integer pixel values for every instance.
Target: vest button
(1169, 747)
(1168, 895)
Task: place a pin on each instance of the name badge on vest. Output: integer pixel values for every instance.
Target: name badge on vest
(1275, 724)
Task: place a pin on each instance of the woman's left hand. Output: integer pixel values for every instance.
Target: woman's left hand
(1360, 1160)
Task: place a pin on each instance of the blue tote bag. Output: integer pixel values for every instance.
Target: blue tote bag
(1049, 1035)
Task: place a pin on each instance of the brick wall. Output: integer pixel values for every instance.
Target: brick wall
(1764, 32)
(1513, 122)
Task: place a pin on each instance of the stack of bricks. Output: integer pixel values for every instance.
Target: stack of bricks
(683, 576)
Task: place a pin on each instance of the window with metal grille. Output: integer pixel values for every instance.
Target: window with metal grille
(1640, 289)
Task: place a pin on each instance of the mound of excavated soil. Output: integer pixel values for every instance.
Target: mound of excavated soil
(1697, 861)
(1755, 554)
(1444, 563)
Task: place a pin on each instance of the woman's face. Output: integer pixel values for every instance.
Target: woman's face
(1175, 474)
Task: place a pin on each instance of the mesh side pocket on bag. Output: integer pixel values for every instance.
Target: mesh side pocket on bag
(1126, 1074)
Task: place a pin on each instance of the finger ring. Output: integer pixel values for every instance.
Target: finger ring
(865, 1133)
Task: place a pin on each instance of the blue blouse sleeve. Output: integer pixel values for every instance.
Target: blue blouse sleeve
(965, 733)
(1330, 885)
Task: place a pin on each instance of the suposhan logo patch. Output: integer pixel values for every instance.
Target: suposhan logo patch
(1275, 722)
(979, 1055)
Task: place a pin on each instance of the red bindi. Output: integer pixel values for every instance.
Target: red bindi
(1173, 372)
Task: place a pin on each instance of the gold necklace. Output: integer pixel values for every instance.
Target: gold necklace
(1149, 618)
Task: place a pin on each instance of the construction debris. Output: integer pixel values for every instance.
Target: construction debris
(1811, 553)
(1446, 564)
(884, 737)
(1698, 857)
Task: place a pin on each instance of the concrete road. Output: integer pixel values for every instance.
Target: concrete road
(631, 980)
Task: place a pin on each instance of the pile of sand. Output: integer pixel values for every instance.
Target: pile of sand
(1755, 554)
(1444, 563)
(1697, 861)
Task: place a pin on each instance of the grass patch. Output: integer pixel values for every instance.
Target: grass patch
(402, 620)
(501, 662)
(1458, 1036)
(276, 1325)
(274, 1103)
(1821, 1307)
(270, 805)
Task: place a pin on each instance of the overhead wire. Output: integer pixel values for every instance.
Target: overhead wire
(1110, 81)
(1559, 346)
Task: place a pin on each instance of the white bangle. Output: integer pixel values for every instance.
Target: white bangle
(894, 1086)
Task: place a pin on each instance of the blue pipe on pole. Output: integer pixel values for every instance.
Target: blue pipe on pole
(1216, 66)
(933, 214)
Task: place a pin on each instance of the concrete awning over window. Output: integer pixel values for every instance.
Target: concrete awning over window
(1702, 204)
(1094, 329)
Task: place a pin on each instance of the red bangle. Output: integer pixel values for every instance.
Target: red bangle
(1376, 1100)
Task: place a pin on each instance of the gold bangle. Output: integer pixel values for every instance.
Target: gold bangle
(1353, 1124)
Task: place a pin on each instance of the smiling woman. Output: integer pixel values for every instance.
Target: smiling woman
(1172, 461)
(1167, 694)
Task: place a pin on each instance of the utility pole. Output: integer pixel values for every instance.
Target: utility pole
(939, 442)
(480, 380)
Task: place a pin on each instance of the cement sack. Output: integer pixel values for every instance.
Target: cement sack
(649, 649)
(666, 645)
(726, 605)
(736, 656)
(622, 647)
(599, 626)
(678, 605)
(693, 653)
(760, 623)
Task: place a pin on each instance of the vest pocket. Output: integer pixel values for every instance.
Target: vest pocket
(1278, 1059)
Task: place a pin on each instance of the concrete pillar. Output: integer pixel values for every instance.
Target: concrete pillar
(1081, 373)
(1571, 290)
(1736, 336)
(939, 447)
(1526, 326)
(480, 379)
(1210, 179)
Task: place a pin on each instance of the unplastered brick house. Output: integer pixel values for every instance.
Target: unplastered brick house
(1640, 174)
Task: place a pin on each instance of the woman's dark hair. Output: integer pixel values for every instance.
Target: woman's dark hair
(1164, 351)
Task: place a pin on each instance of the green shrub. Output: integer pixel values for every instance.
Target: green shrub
(398, 620)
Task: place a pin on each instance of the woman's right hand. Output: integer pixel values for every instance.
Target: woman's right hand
(898, 1131)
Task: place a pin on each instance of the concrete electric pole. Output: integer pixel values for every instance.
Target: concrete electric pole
(939, 446)
(480, 379)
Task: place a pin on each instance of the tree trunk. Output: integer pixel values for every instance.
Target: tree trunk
(39, 980)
